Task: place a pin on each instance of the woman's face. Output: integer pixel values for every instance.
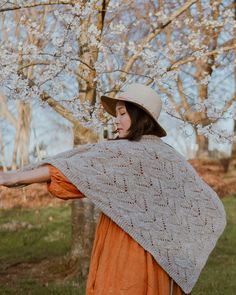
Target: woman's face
(122, 121)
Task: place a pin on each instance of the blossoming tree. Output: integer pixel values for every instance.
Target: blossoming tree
(67, 53)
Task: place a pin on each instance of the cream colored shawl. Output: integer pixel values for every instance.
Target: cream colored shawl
(154, 195)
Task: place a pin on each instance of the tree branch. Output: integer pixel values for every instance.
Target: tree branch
(58, 107)
(175, 106)
(58, 2)
(194, 58)
(153, 34)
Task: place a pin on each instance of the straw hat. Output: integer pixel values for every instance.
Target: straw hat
(143, 96)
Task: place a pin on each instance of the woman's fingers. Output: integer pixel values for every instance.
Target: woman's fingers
(8, 179)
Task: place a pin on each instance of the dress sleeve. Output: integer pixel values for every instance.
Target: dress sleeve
(60, 186)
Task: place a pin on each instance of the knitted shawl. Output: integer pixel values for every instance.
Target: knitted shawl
(154, 195)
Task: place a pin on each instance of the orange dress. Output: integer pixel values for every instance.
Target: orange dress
(119, 265)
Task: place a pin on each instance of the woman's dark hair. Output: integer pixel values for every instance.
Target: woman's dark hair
(141, 122)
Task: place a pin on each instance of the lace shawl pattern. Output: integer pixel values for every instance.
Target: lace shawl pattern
(154, 195)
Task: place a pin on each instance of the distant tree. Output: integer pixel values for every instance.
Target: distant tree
(20, 120)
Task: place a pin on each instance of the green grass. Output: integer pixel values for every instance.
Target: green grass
(45, 233)
(219, 275)
(32, 287)
(29, 236)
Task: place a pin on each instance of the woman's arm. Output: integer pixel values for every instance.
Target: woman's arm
(17, 178)
(60, 186)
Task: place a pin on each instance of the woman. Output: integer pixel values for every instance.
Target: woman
(159, 220)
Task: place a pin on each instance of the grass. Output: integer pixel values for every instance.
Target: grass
(31, 235)
(31, 287)
(218, 276)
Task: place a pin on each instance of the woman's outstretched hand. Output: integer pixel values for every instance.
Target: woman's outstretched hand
(8, 179)
(14, 179)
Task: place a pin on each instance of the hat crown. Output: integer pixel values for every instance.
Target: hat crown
(144, 96)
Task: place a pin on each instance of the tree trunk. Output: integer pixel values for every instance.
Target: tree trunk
(202, 142)
(17, 137)
(83, 231)
(84, 219)
(84, 215)
(25, 135)
(83, 223)
(232, 160)
(233, 153)
(2, 153)
(21, 145)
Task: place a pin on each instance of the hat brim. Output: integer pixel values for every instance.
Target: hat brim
(109, 104)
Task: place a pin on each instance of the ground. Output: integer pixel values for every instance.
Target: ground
(213, 172)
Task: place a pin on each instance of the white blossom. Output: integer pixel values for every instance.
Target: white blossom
(53, 58)
(205, 80)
